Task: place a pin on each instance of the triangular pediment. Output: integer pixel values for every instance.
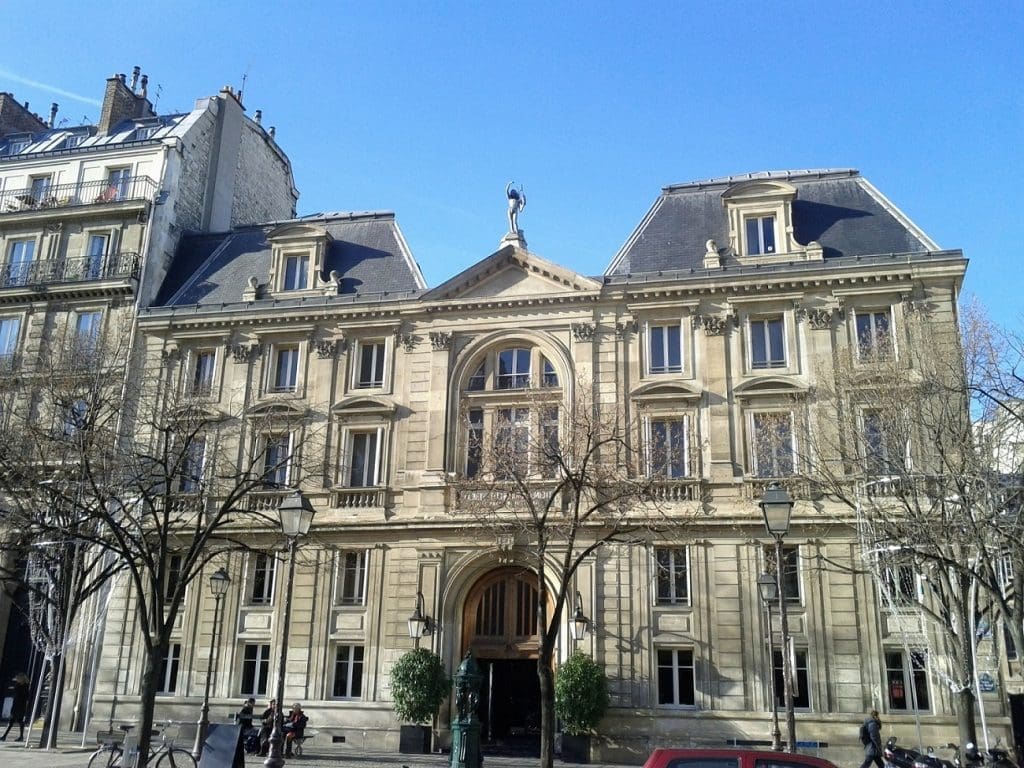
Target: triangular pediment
(511, 273)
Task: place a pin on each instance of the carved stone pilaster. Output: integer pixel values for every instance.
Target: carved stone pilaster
(441, 340)
(407, 340)
(244, 352)
(625, 329)
(170, 353)
(583, 331)
(325, 348)
(819, 318)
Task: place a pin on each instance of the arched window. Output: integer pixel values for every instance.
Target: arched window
(510, 405)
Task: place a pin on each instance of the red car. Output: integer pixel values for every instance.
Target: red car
(731, 758)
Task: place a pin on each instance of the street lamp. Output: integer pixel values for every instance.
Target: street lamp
(420, 624)
(219, 581)
(580, 624)
(296, 516)
(777, 506)
(769, 590)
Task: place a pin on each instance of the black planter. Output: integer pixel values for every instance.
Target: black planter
(575, 749)
(414, 740)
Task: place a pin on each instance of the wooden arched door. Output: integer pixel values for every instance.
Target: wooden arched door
(500, 624)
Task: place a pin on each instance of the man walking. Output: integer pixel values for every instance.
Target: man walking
(871, 737)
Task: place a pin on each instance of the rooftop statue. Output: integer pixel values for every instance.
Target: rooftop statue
(516, 203)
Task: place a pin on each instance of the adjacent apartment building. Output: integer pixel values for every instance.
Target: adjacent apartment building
(731, 302)
(90, 218)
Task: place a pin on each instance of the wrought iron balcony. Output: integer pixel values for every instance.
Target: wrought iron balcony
(79, 269)
(56, 196)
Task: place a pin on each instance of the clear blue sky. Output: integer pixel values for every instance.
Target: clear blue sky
(428, 109)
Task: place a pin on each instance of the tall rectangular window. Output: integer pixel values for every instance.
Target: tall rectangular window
(906, 680)
(296, 272)
(772, 449)
(885, 448)
(118, 184)
(10, 332)
(767, 343)
(286, 369)
(351, 577)
(348, 672)
(874, 337)
(801, 688)
(41, 189)
(899, 585)
(255, 669)
(668, 449)
(513, 369)
(192, 463)
(87, 330)
(167, 672)
(202, 374)
(676, 677)
(277, 455)
(363, 459)
(371, 364)
(790, 569)
(19, 261)
(673, 576)
(264, 567)
(665, 348)
(474, 441)
(549, 462)
(512, 442)
(172, 575)
(95, 255)
(760, 235)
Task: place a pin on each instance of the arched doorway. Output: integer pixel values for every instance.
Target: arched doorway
(500, 624)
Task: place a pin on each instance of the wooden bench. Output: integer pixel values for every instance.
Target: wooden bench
(298, 741)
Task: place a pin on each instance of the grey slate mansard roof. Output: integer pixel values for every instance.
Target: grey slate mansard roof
(367, 249)
(839, 208)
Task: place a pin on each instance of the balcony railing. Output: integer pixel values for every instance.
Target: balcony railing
(73, 195)
(670, 491)
(80, 269)
(357, 498)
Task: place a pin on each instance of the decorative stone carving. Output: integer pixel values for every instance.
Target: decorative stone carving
(712, 259)
(170, 353)
(251, 290)
(916, 306)
(820, 319)
(505, 543)
(713, 325)
(243, 353)
(407, 340)
(441, 340)
(624, 329)
(325, 348)
(583, 331)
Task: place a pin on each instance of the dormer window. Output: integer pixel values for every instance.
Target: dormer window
(760, 235)
(15, 146)
(144, 132)
(296, 272)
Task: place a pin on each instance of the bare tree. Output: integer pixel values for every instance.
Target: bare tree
(560, 480)
(892, 438)
(153, 472)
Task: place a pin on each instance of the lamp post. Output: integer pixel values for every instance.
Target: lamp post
(777, 506)
(296, 516)
(219, 581)
(768, 588)
(420, 624)
(580, 624)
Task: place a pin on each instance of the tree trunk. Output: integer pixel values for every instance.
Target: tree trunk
(147, 696)
(547, 709)
(51, 719)
(965, 715)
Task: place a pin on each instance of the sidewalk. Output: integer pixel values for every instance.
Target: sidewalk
(70, 754)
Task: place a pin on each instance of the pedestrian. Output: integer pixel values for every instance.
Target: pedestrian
(871, 738)
(267, 727)
(19, 689)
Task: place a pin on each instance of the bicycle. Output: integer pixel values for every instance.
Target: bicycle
(161, 755)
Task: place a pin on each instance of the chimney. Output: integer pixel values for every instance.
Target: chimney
(135, 77)
(15, 118)
(145, 86)
(273, 132)
(53, 114)
(118, 104)
(258, 116)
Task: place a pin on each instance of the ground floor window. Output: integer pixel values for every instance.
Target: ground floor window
(906, 681)
(802, 688)
(167, 677)
(255, 669)
(676, 678)
(348, 672)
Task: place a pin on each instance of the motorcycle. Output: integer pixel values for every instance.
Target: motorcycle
(899, 757)
(996, 757)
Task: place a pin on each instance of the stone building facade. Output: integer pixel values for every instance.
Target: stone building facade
(731, 301)
(90, 217)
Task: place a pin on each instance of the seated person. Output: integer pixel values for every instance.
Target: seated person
(245, 715)
(294, 727)
(267, 727)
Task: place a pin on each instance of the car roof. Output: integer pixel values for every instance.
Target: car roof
(670, 753)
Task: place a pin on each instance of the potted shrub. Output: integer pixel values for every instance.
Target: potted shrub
(581, 697)
(418, 686)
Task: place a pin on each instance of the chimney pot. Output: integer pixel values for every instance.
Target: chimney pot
(135, 77)
(258, 117)
(122, 78)
(273, 131)
(53, 113)
(145, 85)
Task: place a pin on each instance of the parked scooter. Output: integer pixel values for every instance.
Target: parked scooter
(899, 757)
(995, 757)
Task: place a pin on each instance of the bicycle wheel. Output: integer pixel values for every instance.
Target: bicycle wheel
(106, 757)
(176, 758)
